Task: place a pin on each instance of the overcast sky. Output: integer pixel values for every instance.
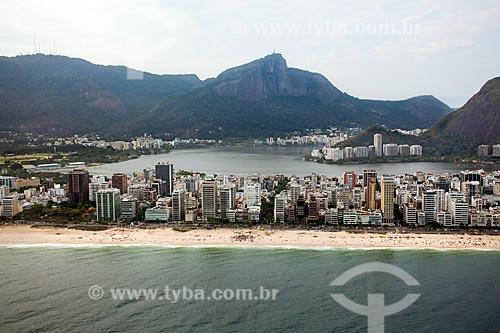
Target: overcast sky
(371, 49)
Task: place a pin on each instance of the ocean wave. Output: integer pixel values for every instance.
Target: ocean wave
(246, 247)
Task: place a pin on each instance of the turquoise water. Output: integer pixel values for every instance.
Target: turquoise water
(46, 289)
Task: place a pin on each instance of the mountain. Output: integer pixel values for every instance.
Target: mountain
(43, 93)
(64, 95)
(270, 77)
(266, 97)
(457, 134)
(478, 119)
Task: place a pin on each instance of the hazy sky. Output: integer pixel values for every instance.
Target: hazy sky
(371, 49)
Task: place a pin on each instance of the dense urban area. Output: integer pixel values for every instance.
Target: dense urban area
(160, 194)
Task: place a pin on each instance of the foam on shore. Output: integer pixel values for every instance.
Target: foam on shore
(245, 247)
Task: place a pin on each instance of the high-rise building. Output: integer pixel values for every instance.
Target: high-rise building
(227, 199)
(440, 200)
(371, 187)
(404, 150)
(483, 150)
(314, 180)
(97, 183)
(128, 208)
(390, 149)
(416, 150)
(4, 191)
(301, 208)
(209, 198)
(7, 181)
(312, 208)
(78, 186)
(120, 181)
(148, 174)
(469, 176)
(377, 142)
(367, 174)
(331, 216)
(178, 210)
(496, 151)
(252, 194)
(361, 152)
(337, 154)
(410, 215)
(453, 196)
(10, 205)
(387, 198)
(472, 189)
(348, 153)
(165, 172)
(108, 204)
(149, 194)
(350, 179)
(295, 190)
(280, 207)
(444, 219)
(429, 200)
(443, 184)
(459, 210)
(496, 188)
(161, 187)
(344, 195)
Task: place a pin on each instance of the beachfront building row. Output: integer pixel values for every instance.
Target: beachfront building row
(378, 149)
(487, 150)
(469, 198)
(412, 199)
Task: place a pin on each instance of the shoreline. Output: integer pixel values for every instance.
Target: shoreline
(482, 163)
(25, 236)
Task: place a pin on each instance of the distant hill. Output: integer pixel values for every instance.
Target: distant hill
(478, 120)
(443, 144)
(457, 134)
(266, 97)
(365, 138)
(63, 95)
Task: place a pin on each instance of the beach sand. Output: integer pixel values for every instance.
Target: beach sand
(26, 235)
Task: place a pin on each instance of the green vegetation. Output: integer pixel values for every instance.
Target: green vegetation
(61, 214)
(267, 211)
(89, 227)
(282, 185)
(92, 155)
(66, 95)
(55, 94)
(436, 145)
(365, 138)
(478, 120)
(188, 173)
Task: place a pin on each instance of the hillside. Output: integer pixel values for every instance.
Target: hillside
(478, 120)
(266, 97)
(436, 145)
(365, 138)
(62, 95)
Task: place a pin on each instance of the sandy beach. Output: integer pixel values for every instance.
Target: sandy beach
(19, 235)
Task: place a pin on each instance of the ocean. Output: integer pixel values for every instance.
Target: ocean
(51, 289)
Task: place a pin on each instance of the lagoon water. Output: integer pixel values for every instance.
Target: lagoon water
(264, 160)
(45, 289)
